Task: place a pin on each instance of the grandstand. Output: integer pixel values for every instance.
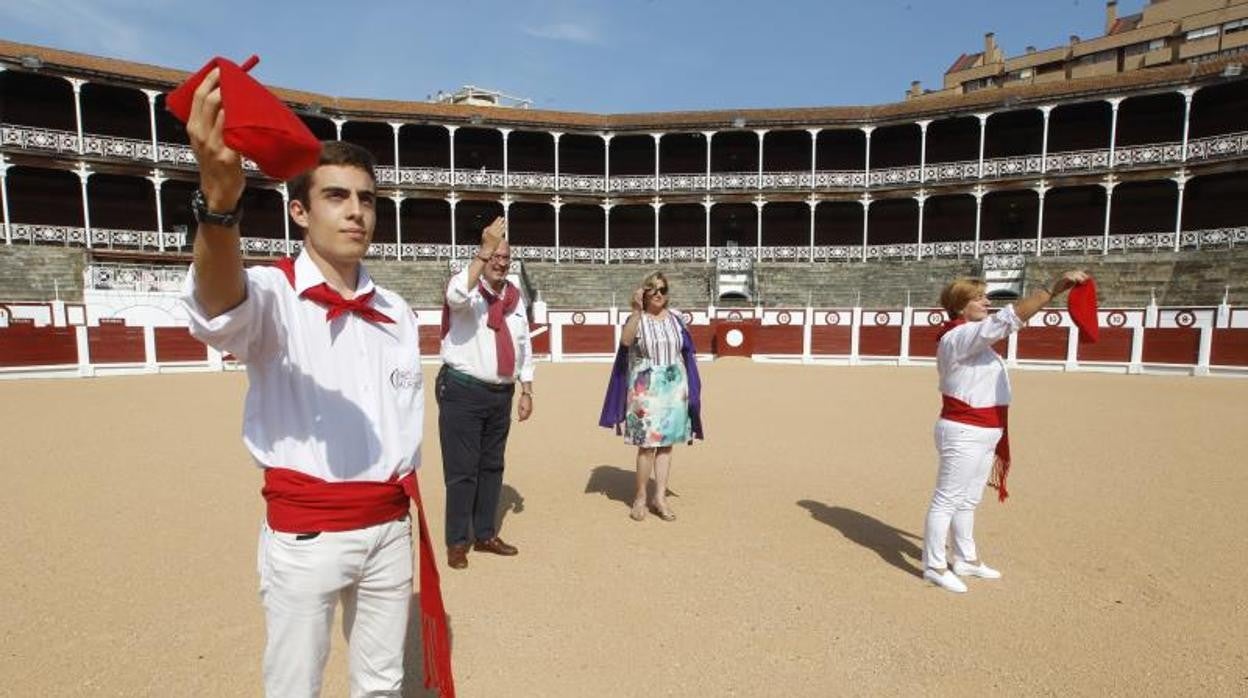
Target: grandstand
(1137, 173)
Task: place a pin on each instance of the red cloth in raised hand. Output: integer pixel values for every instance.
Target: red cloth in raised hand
(1082, 306)
(333, 301)
(257, 124)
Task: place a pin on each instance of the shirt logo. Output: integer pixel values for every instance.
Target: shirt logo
(403, 379)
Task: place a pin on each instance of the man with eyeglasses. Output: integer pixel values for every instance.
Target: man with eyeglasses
(486, 351)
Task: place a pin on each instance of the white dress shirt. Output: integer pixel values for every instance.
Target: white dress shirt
(340, 400)
(970, 370)
(469, 345)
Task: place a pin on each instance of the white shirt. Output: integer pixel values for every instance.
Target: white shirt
(969, 368)
(340, 400)
(469, 345)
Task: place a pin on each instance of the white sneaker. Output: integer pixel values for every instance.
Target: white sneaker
(981, 570)
(945, 580)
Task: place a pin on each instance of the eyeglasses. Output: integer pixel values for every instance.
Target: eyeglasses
(658, 290)
(504, 258)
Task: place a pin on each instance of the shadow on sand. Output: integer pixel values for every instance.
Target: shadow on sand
(893, 545)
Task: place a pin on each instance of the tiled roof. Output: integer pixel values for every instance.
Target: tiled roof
(1125, 24)
(1014, 97)
(966, 60)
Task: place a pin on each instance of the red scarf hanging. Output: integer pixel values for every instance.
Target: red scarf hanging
(500, 306)
(995, 417)
(335, 304)
(301, 503)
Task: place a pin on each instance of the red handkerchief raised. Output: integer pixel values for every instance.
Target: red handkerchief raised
(1082, 306)
(257, 124)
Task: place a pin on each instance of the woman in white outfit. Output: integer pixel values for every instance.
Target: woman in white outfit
(971, 434)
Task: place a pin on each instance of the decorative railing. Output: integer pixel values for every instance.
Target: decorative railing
(1213, 238)
(1232, 145)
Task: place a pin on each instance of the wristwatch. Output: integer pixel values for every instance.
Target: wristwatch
(199, 204)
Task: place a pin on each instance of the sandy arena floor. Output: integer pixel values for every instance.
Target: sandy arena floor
(130, 513)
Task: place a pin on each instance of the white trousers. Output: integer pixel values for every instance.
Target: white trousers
(301, 582)
(966, 456)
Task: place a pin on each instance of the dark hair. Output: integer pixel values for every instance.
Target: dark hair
(332, 153)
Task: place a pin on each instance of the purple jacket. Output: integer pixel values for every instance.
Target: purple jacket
(615, 403)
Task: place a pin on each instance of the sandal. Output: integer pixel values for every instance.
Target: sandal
(639, 510)
(663, 512)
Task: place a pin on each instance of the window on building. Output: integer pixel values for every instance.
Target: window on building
(1024, 74)
(1156, 44)
(1135, 50)
(1202, 33)
(1238, 25)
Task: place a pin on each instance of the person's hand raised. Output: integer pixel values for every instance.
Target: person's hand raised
(220, 167)
(492, 236)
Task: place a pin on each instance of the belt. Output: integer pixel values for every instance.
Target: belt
(466, 379)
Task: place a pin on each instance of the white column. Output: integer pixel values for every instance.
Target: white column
(506, 202)
(814, 156)
(451, 143)
(923, 149)
(1110, 183)
(707, 203)
(77, 84)
(657, 138)
(151, 117)
(556, 135)
(866, 174)
(157, 179)
(979, 213)
(1113, 127)
(1181, 181)
(813, 203)
(606, 221)
(396, 125)
(506, 159)
(983, 132)
(84, 173)
(4, 200)
(398, 198)
(558, 204)
(1188, 93)
(921, 199)
(656, 204)
(453, 200)
(1044, 138)
(759, 203)
(865, 200)
(285, 194)
(338, 128)
(1041, 190)
(762, 136)
(710, 136)
(606, 163)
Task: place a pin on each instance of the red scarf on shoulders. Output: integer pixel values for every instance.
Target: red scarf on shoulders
(500, 306)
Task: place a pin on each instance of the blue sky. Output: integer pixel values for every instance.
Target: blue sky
(582, 55)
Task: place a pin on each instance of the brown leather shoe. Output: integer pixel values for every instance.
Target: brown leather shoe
(495, 545)
(457, 556)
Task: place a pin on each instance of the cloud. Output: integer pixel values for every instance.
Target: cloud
(112, 28)
(565, 31)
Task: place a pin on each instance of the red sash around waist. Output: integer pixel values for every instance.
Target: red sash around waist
(300, 503)
(995, 417)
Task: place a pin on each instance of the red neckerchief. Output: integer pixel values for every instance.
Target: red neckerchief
(500, 306)
(301, 503)
(333, 301)
(949, 325)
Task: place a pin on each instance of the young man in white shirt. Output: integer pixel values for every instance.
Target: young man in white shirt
(333, 414)
(486, 351)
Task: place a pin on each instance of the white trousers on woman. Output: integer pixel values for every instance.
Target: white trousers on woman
(966, 457)
(301, 582)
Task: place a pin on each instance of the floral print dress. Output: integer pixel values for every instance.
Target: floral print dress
(658, 389)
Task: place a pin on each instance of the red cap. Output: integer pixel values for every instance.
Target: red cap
(257, 124)
(1082, 306)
